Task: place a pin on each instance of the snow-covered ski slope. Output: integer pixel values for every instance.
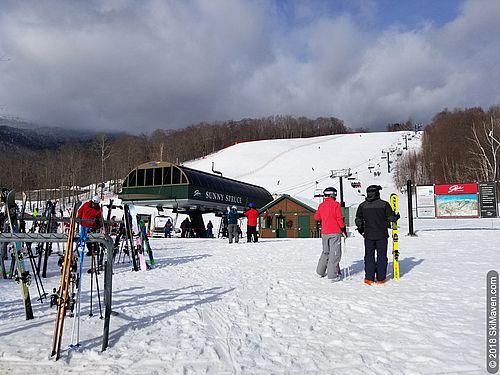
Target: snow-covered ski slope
(300, 166)
(214, 308)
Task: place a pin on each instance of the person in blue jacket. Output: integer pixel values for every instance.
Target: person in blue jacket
(232, 221)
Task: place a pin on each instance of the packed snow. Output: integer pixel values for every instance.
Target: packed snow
(259, 308)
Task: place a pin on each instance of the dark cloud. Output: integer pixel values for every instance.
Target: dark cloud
(137, 66)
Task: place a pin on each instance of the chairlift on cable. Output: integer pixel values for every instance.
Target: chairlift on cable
(356, 184)
(370, 165)
(318, 193)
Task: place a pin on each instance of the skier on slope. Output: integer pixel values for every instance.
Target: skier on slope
(332, 226)
(252, 214)
(373, 218)
(91, 215)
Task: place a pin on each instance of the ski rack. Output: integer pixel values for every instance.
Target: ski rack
(103, 239)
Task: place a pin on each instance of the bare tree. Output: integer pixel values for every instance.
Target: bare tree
(103, 149)
(486, 151)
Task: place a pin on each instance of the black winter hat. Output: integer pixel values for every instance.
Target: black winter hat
(373, 188)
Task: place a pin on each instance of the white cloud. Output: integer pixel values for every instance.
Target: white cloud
(141, 65)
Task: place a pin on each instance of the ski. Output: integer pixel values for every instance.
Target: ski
(23, 276)
(145, 243)
(395, 238)
(4, 245)
(62, 297)
(128, 237)
(75, 333)
(137, 238)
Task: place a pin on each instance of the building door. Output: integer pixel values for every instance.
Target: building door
(280, 227)
(304, 227)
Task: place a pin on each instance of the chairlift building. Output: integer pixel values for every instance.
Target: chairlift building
(189, 191)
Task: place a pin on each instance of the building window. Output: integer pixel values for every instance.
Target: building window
(158, 176)
(149, 177)
(167, 176)
(267, 223)
(176, 176)
(131, 178)
(140, 177)
(280, 222)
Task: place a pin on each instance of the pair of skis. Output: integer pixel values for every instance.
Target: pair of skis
(63, 298)
(140, 246)
(23, 276)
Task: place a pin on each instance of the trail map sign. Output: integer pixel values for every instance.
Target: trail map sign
(425, 204)
(488, 199)
(456, 200)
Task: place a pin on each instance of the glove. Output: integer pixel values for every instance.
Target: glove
(344, 232)
(397, 216)
(97, 223)
(360, 230)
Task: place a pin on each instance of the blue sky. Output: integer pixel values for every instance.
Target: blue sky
(137, 66)
(372, 14)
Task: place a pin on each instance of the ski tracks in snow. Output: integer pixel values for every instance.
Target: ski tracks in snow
(284, 152)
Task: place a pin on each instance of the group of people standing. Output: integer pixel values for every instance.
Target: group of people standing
(233, 228)
(373, 218)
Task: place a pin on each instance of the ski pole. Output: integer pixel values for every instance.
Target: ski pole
(91, 282)
(98, 294)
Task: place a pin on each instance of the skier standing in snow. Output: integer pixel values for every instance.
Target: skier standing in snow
(332, 226)
(252, 214)
(210, 228)
(373, 218)
(185, 228)
(232, 220)
(168, 229)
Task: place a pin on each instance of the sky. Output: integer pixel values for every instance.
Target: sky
(138, 66)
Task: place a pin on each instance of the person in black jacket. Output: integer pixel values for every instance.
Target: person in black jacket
(373, 218)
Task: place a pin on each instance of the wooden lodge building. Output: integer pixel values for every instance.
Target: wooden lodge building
(288, 217)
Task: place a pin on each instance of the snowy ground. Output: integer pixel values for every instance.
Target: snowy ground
(211, 307)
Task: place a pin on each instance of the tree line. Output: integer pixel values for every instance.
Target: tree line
(111, 159)
(458, 146)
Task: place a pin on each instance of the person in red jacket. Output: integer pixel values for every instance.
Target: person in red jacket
(91, 214)
(252, 214)
(332, 226)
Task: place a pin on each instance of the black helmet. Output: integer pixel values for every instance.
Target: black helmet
(373, 188)
(330, 192)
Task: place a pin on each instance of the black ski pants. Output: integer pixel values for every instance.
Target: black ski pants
(375, 267)
(251, 233)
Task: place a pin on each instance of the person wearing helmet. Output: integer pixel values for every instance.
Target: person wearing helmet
(332, 226)
(373, 218)
(252, 214)
(232, 224)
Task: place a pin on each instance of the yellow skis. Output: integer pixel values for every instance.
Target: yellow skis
(395, 238)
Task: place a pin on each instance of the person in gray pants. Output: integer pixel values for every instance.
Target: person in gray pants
(328, 263)
(332, 226)
(232, 225)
